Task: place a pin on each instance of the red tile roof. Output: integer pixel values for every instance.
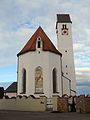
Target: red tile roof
(31, 44)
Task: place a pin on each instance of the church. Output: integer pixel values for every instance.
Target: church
(44, 70)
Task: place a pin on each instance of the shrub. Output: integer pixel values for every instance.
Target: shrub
(1, 92)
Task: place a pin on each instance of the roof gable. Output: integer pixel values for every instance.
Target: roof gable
(31, 44)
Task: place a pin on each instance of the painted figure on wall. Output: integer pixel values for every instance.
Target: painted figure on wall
(38, 80)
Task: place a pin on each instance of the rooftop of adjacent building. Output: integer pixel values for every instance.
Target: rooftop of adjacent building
(12, 88)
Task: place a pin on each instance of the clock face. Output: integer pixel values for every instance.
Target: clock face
(64, 29)
(65, 32)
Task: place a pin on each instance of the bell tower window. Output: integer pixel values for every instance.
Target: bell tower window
(64, 29)
(64, 26)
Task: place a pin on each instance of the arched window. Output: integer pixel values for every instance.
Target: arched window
(38, 80)
(64, 26)
(39, 43)
(54, 75)
(24, 81)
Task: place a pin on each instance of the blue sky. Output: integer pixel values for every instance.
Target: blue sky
(20, 18)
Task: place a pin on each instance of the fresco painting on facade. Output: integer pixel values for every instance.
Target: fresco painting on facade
(38, 80)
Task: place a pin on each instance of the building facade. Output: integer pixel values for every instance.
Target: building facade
(39, 67)
(44, 70)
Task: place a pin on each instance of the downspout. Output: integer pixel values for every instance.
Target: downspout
(70, 86)
(69, 82)
(61, 76)
(17, 74)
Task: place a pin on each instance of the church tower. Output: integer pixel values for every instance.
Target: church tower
(65, 46)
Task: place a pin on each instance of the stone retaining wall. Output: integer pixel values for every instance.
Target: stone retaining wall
(23, 104)
(60, 104)
(83, 104)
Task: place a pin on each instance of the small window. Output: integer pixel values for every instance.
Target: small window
(66, 66)
(39, 38)
(63, 26)
(39, 52)
(65, 50)
(39, 44)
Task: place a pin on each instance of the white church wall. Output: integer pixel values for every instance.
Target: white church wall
(30, 61)
(55, 62)
(66, 87)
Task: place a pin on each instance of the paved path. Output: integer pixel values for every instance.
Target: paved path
(14, 115)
